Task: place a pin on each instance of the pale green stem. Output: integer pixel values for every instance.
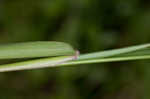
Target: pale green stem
(103, 60)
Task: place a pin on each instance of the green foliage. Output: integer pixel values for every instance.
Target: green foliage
(89, 26)
(64, 54)
(35, 50)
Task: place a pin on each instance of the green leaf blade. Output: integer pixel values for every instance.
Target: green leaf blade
(138, 52)
(36, 64)
(114, 52)
(35, 49)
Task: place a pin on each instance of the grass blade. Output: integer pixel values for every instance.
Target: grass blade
(104, 60)
(36, 64)
(124, 54)
(35, 49)
(110, 53)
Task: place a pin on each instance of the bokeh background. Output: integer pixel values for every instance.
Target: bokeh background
(89, 26)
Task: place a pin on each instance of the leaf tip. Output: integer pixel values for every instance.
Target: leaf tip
(77, 53)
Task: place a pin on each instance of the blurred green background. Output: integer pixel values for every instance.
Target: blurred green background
(89, 26)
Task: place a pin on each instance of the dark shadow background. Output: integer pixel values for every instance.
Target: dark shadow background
(88, 25)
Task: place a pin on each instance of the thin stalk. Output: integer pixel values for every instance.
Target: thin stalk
(114, 52)
(113, 59)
